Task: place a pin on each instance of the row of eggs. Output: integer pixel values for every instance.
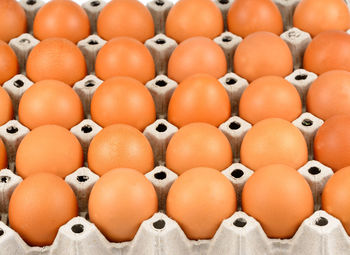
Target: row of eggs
(188, 18)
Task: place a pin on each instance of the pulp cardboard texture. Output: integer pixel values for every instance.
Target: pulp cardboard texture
(320, 234)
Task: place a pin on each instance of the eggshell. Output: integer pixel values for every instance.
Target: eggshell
(13, 20)
(270, 97)
(39, 206)
(314, 16)
(3, 155)
(261, 54)
(51, 149)
(329, 94)
(125, 18)
(279, 198)
(249, 16)
(119, 146)
(196, 55)
(119, 201)
(125, 56)
(329, 50)
(198, 145)
(336, 197)
(8, 61)
(61, 18)
(273, 141)
(57, 59)
(199, 98)
(332, 142)
(123, 100)
(199, 200)
(190, 18)
(6, 109)
(50, 102)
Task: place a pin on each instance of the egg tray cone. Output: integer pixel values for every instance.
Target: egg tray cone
(320, 234)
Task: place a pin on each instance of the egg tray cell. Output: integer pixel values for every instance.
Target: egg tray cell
(320, 234)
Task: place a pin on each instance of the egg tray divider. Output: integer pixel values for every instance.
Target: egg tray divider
(320, 234)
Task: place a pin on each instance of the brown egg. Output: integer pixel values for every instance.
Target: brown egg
(329, 94)
(279, 198)
(56, 59)
(119, 146)
(196, 55)
(125, 18)
(39, 206)
(190, 18)
(51, 149)
(199, 98)
(3, 155)
(199, 200)
(8, 61)
(270, 97)
(49, 21)
(261, 54)
(198, 145)
(332, 142)
(328, 51)
(50, 102)
(249, 16)
(123, 100)
(119, 201)
(13, 20)
(314, 16)
(273, 141)
(6, 109)
(336, 197)
(125, 56)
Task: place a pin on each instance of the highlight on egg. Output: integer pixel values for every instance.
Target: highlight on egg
(13, 21)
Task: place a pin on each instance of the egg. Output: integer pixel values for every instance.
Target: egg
(279, 198)
(199, 98)
(248, 16)
(118, 146)
(328, 51)
(119, 201)
(3, 155)
(261, 54)
(8, 61)
(199, 200)
(270, 97)
(123, 100)
(314, 16)
(125, 18)
(6, 109)
(125, 56)
(273, 141)
(332, 142)
(50, 102)
(329, 94)
(57, 59)
(49, 21)
(39, 206)
(336, 197)
(198, 145)
(13, 21)
(51, 149)
(190, 18)
(196, 55)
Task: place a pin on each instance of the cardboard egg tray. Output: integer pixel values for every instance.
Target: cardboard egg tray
(320, 234)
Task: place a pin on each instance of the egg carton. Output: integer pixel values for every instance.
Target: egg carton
(240, 234)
